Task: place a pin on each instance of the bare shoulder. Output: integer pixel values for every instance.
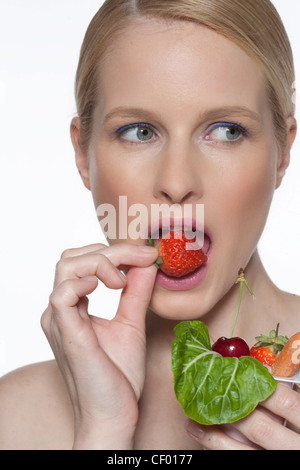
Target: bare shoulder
(35, 411)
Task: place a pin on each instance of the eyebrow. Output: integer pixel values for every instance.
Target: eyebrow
(218, 113)
(207, 115)
(127, 112)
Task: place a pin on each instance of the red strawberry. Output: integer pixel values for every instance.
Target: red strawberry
(264, 354)
(267, 348)
(174, 257)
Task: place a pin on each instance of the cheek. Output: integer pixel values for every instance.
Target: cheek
(257, 190)
(247, 196)
(108, 181)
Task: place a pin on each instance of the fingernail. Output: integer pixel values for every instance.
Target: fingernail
(195, 430)
(122, 276)
(149, 250)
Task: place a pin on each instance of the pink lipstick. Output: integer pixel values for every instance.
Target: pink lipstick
(182, 283)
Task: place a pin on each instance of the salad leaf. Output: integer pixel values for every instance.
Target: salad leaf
(213, 389)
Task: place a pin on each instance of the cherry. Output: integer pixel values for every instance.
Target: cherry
(231, 347)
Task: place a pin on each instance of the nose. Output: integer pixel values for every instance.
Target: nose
(178, 178)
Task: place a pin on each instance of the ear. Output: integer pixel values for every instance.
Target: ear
(81, 156)
(285, 152)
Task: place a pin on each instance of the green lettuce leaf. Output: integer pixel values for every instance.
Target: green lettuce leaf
(213, 389)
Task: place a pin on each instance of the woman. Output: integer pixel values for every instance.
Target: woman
(179, 103)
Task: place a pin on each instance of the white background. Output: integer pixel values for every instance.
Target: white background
(44, 206)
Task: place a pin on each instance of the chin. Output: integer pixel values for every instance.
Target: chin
(179, 305)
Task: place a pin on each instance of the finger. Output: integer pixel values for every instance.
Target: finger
(101, 262)
(64, 302)
(136, 296)
(86, 265)
(62, 320)
(213, 438)
(83, 306)
(267, 433)
(285, 402)
(130, 255)
(71, 252)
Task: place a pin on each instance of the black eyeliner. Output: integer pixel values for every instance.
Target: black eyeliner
(132, 126)
(241, 128)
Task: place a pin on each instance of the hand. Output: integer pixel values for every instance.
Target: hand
(259, 429)
(102, 361)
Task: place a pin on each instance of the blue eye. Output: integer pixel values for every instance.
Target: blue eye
(136, 132)
(226, 132)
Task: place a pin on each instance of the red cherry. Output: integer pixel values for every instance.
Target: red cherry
(231, 347)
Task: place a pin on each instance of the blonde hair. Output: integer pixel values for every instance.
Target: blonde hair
(254, 25)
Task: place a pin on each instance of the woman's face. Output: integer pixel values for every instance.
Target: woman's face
(183, 118)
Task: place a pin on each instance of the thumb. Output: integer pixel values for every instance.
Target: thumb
(136, 296)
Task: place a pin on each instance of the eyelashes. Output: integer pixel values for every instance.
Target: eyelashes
(137, 132)
(227, 132)
(220, 132)
(232, 125)
(131, 126)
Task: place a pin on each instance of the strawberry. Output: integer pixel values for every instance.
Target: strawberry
(267, 348)
(174, 257)
(264, 354)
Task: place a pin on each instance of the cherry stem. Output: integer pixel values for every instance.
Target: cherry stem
(238, 310)
(240, 280)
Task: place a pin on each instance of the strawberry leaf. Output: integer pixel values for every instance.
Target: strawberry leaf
(159, 262)
(150, 242)
(277, 342)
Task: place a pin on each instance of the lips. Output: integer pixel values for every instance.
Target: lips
(191, 229)
(187, 282)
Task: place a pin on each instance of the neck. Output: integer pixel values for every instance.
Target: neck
(256, 312)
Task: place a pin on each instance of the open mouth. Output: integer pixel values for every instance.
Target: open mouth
(198, 240)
